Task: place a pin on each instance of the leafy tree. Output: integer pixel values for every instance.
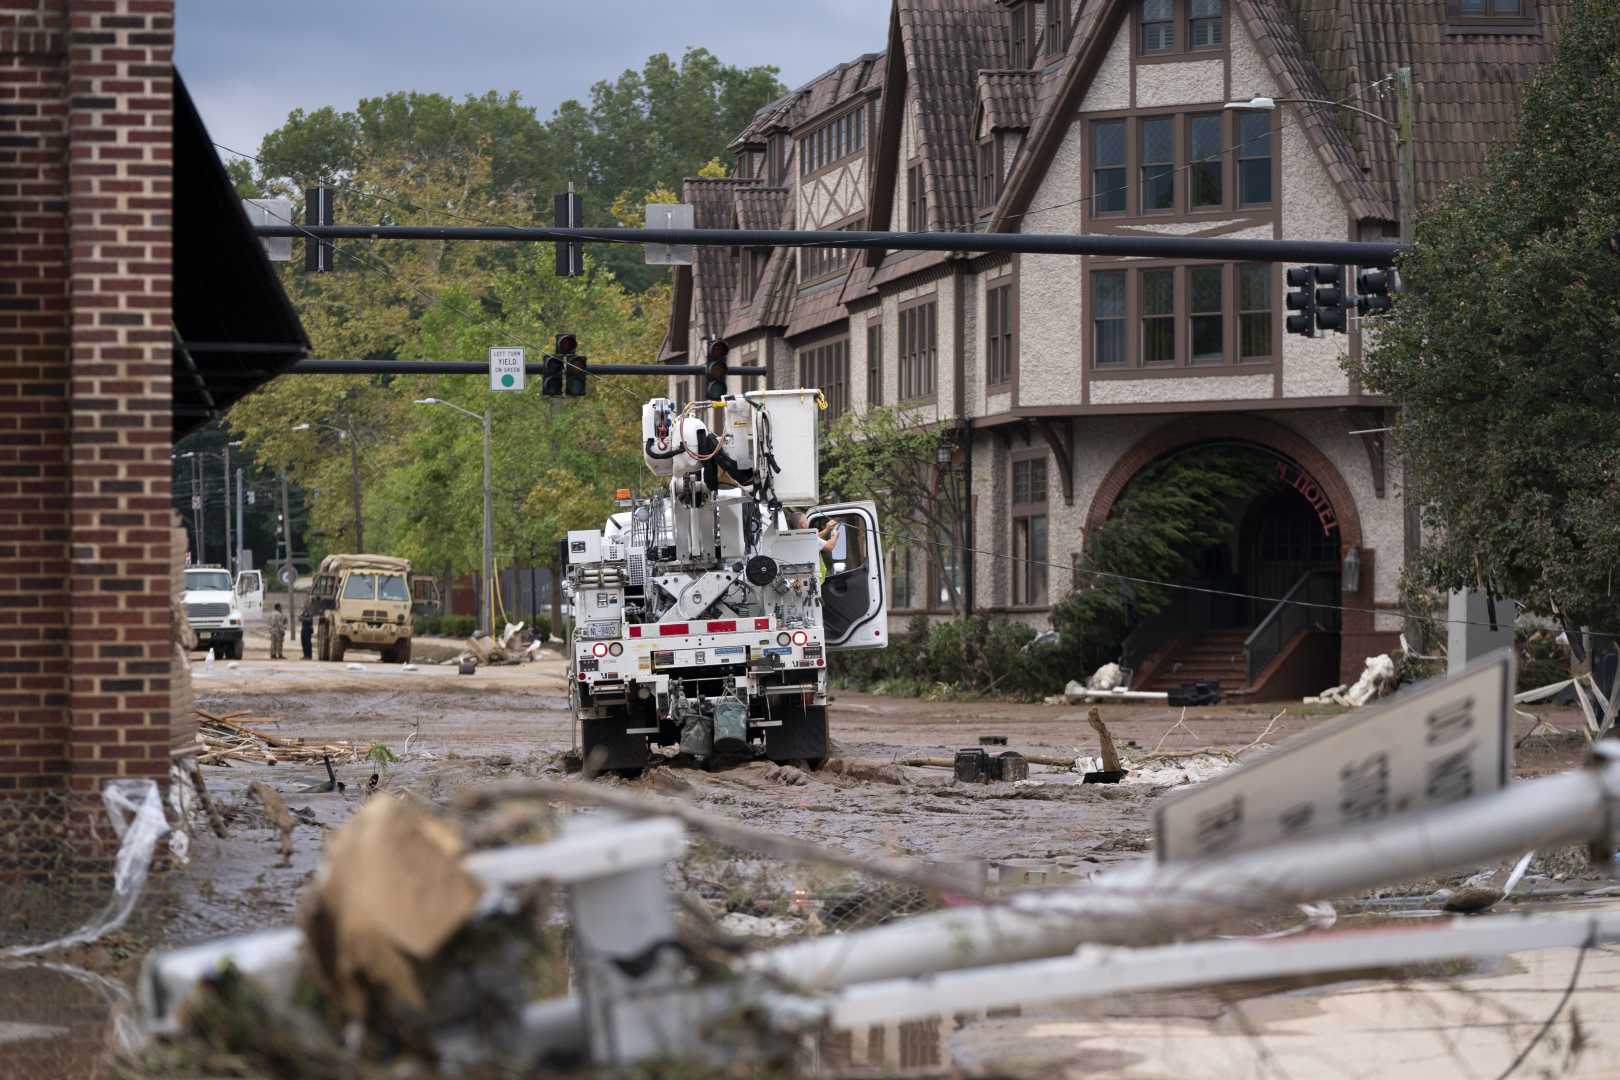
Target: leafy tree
(643, 131)
(1171, 511)
(1503, 351)
(420, 468)
(912, 471)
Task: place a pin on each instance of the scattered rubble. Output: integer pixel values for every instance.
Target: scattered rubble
(227, 738)
(1106, 677)
(1378, 679)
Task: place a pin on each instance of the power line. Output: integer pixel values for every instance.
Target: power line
(476, 321)
(1075, 571)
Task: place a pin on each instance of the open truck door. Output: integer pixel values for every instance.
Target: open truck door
(854, 594)
(250, 594)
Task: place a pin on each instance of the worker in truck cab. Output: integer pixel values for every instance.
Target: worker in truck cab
(798, 519)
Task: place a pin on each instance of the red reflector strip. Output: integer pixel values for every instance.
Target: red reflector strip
(762, 624)
(724, 626)
(635, 631)
(674, 629)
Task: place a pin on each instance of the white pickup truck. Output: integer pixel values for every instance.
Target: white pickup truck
(211, 608)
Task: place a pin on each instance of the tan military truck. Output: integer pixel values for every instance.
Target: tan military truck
(362, 601)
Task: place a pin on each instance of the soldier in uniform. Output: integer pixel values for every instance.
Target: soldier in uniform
(278, 631)
(306, 629)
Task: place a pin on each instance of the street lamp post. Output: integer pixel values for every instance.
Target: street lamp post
(487, 593)
(1406, 174)
(230, 549)
(354, 474)
(196, 503)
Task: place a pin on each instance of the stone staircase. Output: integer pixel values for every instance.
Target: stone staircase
(1211, 656)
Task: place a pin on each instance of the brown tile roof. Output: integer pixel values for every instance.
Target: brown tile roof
(774, 294)
(1058, 95)
(1276, 36)
(827, 90)
(761, 207)
(714, 206)
(1467, 87)
(1008, 98)
(677, 336)
(816, 307)
(947, 43)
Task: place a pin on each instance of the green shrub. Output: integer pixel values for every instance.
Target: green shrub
(451, 626)
(1542, 661)
(949, 660)
(541, 624)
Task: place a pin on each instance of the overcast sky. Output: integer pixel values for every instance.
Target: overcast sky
(248, 64)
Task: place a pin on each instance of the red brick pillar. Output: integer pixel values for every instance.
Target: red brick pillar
(120, 183)
(33, 398)
(85, 182)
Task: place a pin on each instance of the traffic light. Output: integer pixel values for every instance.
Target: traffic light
(567, 214)
(1331, 304)
(1373, 288)
(715, 370)
(563, 372)
(551, 376)
(1302, 298)
(574, 382)
(318, 211)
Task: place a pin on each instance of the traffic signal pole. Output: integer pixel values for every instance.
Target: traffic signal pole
(489, 531)
(1341, 252)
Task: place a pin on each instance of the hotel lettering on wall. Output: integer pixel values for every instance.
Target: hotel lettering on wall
(1301, 481)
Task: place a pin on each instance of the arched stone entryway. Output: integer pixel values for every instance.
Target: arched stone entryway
(1317, 488)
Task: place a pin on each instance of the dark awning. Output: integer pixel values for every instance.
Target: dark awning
(233, 324)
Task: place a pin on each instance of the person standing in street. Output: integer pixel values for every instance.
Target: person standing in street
(278, 631)
(306, 630)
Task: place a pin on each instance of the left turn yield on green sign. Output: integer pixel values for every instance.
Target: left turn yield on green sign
(506, 368)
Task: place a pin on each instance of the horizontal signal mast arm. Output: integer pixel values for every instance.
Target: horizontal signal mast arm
(1337, 252)
(472, 367)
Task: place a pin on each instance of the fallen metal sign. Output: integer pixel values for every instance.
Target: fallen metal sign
(1438, 743)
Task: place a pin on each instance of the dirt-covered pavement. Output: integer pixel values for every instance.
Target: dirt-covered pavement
(511, 722)
(502, 723)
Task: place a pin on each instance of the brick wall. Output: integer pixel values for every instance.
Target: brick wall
(85, 184)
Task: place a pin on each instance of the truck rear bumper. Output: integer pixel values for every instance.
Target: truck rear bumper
(217, 633)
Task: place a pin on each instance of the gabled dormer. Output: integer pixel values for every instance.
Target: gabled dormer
(1005, 111)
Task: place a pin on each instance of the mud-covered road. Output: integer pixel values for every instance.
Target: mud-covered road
(511, 722)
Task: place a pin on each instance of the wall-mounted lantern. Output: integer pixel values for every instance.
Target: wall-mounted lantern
(1350, 571)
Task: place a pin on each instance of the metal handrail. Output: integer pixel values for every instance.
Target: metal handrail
(1289, 616)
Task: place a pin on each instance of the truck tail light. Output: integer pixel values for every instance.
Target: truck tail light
(615, 649)
(599, 649)
(800, 637)
(784, 638)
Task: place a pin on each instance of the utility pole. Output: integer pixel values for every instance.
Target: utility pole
(230, 552)
(239, 533)
(354, 473)
(197, 505)
(1407, 153)
(489, 532)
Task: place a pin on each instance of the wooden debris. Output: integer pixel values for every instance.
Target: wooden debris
(226, 739)
(215, 820)
(279, 816)
(1110, 756)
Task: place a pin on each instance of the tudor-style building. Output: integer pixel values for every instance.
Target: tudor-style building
(1065, 377)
